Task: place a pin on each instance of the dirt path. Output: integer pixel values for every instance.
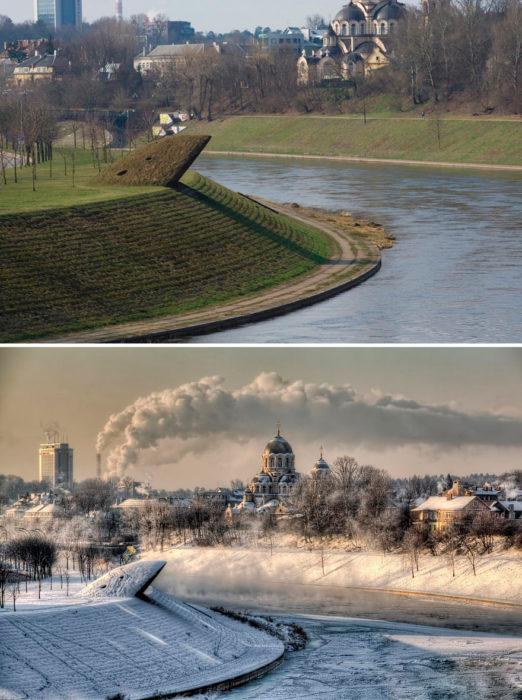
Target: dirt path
(353, 261)
(360, 159)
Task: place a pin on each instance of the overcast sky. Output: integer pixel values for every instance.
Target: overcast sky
(157, 414)
(204, 15)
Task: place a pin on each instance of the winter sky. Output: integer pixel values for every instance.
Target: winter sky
(197, 416)
(204, 15)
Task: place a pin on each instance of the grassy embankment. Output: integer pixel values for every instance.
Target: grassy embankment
(441, 140)
(96, 255)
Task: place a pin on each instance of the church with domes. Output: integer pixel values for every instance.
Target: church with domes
(356, 42)
(271, 487)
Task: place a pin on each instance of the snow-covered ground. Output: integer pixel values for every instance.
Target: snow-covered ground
(94, 647)
(85, 647)
(498, 575)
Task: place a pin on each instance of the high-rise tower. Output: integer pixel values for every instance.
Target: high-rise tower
(57, 13)
(55, 464)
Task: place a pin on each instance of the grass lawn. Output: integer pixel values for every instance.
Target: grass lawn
(445, 139)
(58, 190)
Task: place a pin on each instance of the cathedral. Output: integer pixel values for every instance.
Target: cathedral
(356, 42)
(272, 486)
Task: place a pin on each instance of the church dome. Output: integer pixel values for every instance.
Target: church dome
(390, 11)
(321, 467)
(278, 446)
(349, 13)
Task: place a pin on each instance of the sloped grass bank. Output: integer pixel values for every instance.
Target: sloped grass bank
(439, 140)
(157, 253)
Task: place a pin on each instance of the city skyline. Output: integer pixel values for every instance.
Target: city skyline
(404, 410)
(203, 15)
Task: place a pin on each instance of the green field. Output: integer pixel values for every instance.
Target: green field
(60, 190)
(112, 254)
(446, 139)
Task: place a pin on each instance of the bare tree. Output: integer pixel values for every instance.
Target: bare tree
(315, 21)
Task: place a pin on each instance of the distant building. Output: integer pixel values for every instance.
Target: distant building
(453, 508)
(55, 464)
(272, 486)
(356, 42)
(180, 32)
(289, 39)
(510, 510)
(168, 57)
(57, 13)
(40, 67)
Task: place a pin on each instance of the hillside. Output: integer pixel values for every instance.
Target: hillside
(160, 251)
(215, 571)
(102, 644)
(407, 138)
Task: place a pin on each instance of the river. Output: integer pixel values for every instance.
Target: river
(454, 274)
(362, 644)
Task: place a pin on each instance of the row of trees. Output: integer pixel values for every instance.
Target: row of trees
(466, 48)
(472, 46)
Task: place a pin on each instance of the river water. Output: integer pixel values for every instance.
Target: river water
(371, 645)
(454, 274)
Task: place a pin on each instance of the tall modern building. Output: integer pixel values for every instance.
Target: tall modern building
(55, 464)
(57, 13)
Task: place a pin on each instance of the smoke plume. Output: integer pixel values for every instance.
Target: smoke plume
(200, 414)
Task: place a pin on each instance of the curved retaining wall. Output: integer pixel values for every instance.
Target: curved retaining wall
(262, 315)
(225, 685)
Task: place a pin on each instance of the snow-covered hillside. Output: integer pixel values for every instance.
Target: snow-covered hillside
(498, 576)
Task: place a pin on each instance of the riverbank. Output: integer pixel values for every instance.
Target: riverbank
(359, 159)
(497, 578)
(447, 141)
(356, 257)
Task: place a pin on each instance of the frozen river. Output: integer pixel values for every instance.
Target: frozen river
(367, 660)
(454, 275)
(372, 645)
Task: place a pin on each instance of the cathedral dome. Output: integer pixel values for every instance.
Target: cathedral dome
(390, 11)
(278, 446)
(349, 13)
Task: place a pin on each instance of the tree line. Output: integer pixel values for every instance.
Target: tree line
(460, 51)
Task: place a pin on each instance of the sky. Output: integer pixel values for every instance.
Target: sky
(204, 15)
(181, 416)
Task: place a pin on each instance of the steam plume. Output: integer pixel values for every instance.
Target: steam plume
(206, 410)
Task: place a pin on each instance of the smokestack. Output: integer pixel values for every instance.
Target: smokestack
(119, 10)
(98, 466)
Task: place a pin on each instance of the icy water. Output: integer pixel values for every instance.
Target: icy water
(454, 274)
(374, 645)
(379, 661)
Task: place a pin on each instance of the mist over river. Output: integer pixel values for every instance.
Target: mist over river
(362, 644)
(454, 274)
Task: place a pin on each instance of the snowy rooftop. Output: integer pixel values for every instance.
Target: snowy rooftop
(95, 647)
(515, 505)
(443, 503)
